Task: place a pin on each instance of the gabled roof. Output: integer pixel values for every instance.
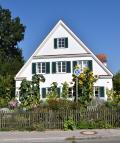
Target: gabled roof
(75, 37)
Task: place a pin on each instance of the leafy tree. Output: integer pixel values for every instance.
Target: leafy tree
(113, 97)
(85, 86)
(11, 60)
(65, 90)
(30, 91)
(36, 79)
(116, 82)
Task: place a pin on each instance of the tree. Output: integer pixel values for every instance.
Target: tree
(11, 59)
(36, 79)
(65, 90)
(30, 91)
(85, 86)
(116, 82)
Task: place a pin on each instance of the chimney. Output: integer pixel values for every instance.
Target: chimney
(102, 58)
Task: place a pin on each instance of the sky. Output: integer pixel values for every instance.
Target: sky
(95, 22)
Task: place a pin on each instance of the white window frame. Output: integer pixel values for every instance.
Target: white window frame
(97, 87)
(59, 67)
(40, 68)
(61, 42)
(82, 64)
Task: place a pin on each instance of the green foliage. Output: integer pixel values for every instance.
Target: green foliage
(69, 124)
(65, 90)
(93, 124)
(11, 60)
(30, 91)
(85, 86)
(3, 102)
(52, 94)
(116, 82)
(84, 124)
(6, 87)
(113, 97)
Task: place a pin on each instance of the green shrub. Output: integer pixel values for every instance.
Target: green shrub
(100, 124)
(3, 102)
(84, 124)
(69, 124)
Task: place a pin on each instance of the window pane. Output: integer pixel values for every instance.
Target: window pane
(79, 63)
(85, 64)
(59, 66)
(96, 91)
(39, 68)
(63, 66)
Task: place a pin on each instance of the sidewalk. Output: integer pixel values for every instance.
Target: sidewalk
(55, 136)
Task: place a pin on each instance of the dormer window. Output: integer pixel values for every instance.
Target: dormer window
(60, 43)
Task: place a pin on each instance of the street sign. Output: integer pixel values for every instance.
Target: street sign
(77, 71)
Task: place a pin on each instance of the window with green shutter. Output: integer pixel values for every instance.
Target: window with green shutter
(43, 92)
(99, 91)
(68, 67)
(66, 42)
(33, 68)
(55, 43)
(60, 43)
(58, 92)
(74, 64)
(53, 67)
(90, 66)
(47, 67)
(102, 91)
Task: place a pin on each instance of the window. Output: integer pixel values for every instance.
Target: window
(61, 42)
(61, 67)
(70, 92)
(82, 64)
(99, 91)
(47, 90)
(41, 67)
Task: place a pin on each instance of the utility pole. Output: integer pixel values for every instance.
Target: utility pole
(77, 73)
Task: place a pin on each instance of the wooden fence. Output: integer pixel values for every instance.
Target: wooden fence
(52, 119)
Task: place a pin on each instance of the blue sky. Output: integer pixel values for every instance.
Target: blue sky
(95, 22)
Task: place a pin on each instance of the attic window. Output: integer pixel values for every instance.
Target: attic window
(60, 43)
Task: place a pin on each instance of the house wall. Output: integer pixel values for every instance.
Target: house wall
(62, 77)
(75, 47)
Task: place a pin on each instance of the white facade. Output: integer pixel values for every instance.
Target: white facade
(75, 51)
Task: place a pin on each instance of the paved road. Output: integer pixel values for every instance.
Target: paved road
(110, 140)
(107, 140)
(55, 136)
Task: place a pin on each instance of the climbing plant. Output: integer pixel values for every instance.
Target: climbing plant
(85, 86)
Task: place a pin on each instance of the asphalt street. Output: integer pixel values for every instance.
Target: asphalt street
(107, 140)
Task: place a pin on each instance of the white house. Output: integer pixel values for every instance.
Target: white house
(56, 57)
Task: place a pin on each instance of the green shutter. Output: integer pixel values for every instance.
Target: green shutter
(74, 64)
(66, 42)
(90, 66)
(33, 68)
(68, 67)
(47, 67)
(55, 43)
(102, 92)
(43, 92)
(58, 92)
(53, 67)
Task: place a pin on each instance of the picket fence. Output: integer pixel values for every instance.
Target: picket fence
(52, 119)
